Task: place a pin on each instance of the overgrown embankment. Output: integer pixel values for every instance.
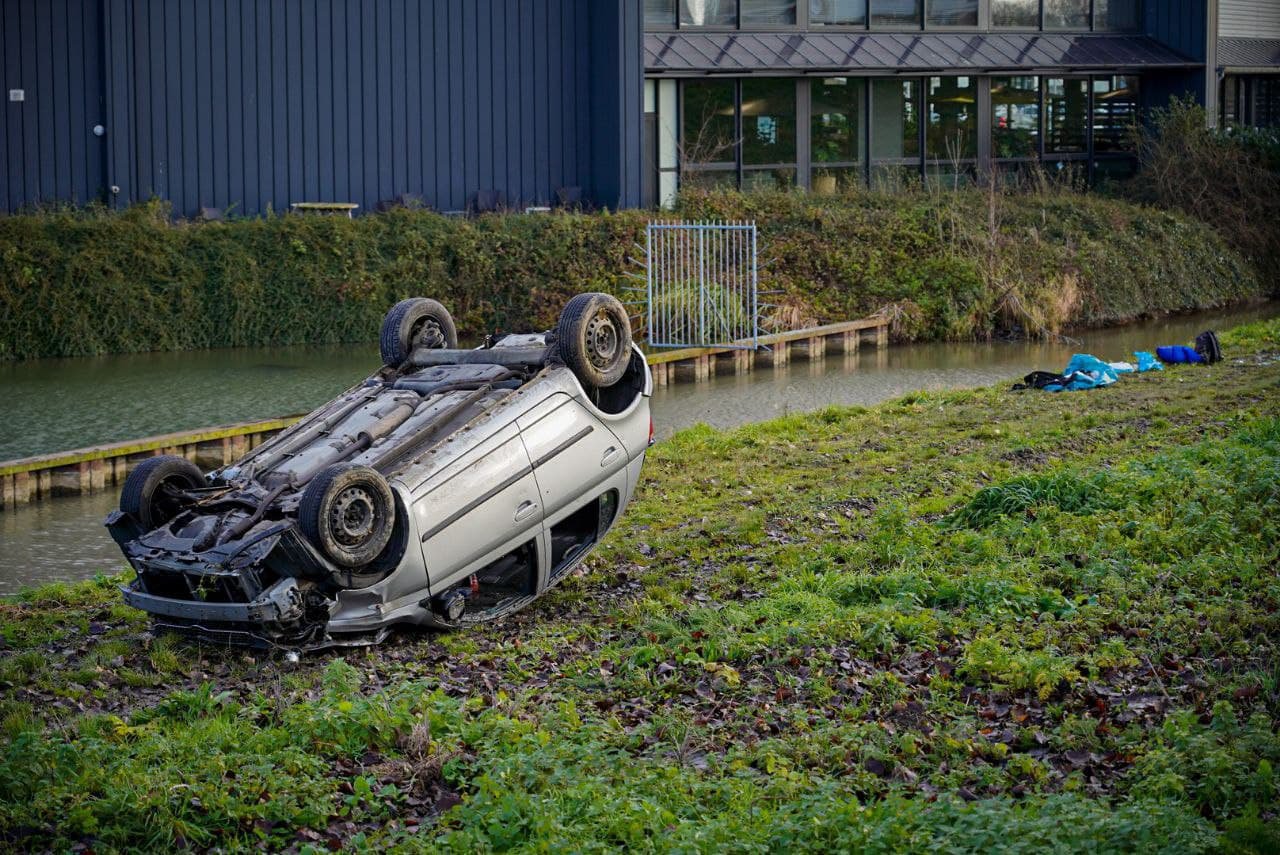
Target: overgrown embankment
(967, 621)
(950, 265)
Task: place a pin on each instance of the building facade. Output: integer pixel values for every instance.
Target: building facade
(247, 106)
(825, 93)
(1247, 58)
(251, 105)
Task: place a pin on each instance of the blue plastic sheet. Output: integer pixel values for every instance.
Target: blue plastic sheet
(1086, 371)
(1147, 361)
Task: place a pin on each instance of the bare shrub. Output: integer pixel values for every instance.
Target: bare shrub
(1217, 177)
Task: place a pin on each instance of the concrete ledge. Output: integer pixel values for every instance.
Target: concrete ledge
(87, 470)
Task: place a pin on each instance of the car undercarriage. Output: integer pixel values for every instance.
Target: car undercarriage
(450, 487)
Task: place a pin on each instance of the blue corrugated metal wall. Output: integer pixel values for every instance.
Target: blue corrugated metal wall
(1183, 26)
(246, 104)
(50, 50)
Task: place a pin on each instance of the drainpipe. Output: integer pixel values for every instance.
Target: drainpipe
(1211, 64)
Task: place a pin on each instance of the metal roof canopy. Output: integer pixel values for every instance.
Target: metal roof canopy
(1249, 54)
(685, 54)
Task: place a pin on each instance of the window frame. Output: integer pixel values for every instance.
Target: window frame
(922, 165)
(985, 22)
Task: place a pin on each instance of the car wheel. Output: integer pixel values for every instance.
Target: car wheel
(413, 323)
(150, 493)
(594, 339)
(348, 512)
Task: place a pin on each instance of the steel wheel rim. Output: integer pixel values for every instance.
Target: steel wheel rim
(602, 340)
(353, 517)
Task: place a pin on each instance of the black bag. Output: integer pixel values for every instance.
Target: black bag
(1208, 347)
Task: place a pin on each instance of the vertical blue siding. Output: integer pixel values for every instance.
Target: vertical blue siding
(51, 50)
(250, 105)
(1183, 26)
(616, 102)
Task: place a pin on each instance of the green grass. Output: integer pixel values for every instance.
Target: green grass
(970, 621)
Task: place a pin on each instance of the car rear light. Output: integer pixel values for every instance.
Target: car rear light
(651, 440)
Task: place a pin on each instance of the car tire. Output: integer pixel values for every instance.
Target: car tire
(416, 322)
(349, 513)
(593, 338)
(146, 495)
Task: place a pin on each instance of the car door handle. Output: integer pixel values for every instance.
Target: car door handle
(525, 510)
(610, 455)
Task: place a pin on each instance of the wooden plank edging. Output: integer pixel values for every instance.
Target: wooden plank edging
(141, 446)
(772, 339)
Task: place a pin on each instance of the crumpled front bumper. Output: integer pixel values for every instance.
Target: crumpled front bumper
(282, 603)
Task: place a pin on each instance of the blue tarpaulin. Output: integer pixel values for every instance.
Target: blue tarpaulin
(1086, 371)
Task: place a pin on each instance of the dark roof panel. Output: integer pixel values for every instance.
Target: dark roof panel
(1249, 53)
(693, 53)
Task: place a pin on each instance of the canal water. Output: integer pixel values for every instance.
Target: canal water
(58, 404)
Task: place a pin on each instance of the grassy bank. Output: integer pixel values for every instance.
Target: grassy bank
(950, 265)
(976, 619)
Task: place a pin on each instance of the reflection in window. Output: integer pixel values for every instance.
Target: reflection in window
(895, 119)
(1015, 117)
(707, 132)
(773, 13)
(1066, 14)
(768, 120)
(710, 179)
(895, 13)
(836, 139)
(1115, 15)
(952, 132)
(1066, 104)
(838, 13)
(952, 13)
(780, 178)
(708, 13)
(659, 13)
(1024, 14)
(1115, 109)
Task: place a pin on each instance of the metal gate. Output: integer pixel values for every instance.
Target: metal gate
(702, 286)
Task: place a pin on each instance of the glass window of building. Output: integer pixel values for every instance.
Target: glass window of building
(1015, 117)
(1066, 105)
(1118, 15)
(895, 129)
(838, 13)
(895, 13)
(708, 134)
(709, 13)
(1066, 14)
(952, 13)
(768, 121)
(1115, 110)
(659, 13)
(835, 133)
(952, 132)
(1023, 14)
(768, 13)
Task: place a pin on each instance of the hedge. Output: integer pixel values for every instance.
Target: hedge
(947, 266)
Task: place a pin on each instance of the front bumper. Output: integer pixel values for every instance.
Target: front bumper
(282, 603)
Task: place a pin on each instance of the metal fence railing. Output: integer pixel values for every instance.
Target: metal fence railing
(702, 285)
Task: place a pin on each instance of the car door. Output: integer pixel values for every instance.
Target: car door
(575, 457)
(481, 507)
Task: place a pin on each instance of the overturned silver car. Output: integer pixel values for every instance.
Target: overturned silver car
(450, 487)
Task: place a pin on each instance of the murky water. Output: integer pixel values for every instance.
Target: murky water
(52, 405)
